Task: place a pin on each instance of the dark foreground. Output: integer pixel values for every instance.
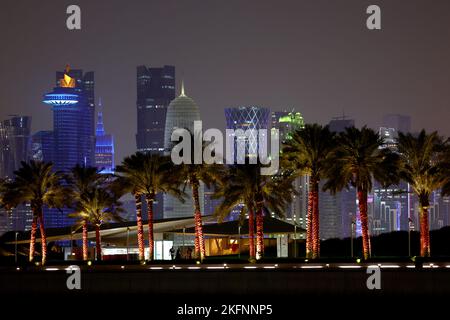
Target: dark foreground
(286, 288)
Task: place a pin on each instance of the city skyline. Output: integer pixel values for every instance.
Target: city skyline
(305, 67)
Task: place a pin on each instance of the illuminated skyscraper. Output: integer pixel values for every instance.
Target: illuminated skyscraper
(287, 122)
(104, 146)
(73, 119)
(15, 144)
(181, 113)
(72, 102)
(155, 90)
(15, 147)
(244, 118)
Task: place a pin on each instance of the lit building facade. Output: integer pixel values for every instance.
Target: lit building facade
(155, 91)
(287, 122)
(73, 119)
(244, 118)
(15, 146)
(339, 210)
(181, 113)
(104, 146)
(73, 105)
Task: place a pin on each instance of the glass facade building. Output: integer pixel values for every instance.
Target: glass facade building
(73, 106)
(181, 113)
(104, 146)
(15, 146)
(155, 90)
(251, 117)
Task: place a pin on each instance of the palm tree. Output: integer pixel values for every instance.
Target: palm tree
(147, 174)
(192, 175)
(425, 164)
(130, 180)
(37, 184)
(97, 206)
(308, 151)
(358, 159)
(83, 180)
(245, 185)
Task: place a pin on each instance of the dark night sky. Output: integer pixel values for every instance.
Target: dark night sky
(316, 56)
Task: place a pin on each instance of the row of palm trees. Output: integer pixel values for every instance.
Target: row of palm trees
(358, 157)
(355, 157)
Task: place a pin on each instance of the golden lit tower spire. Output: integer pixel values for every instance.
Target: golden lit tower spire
(67, 81)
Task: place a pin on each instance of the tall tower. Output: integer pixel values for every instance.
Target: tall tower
(14, 147)
(181, 113)
(72, 102)
(244, 118)
(104, 145)
(14, 144)
(287, 122)
(155, 90)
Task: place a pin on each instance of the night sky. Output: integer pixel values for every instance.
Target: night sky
(315, 56)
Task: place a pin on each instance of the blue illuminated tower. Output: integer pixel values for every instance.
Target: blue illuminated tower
(73, 120)
(72, 102)
(104, 145)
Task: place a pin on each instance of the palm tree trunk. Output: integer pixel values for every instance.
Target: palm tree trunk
(199, 240)
(43, 238)
(251, 233)
(140, 226)
(150, 198)
(362, 199)
(259, 234)
(85, 241)
(98, 242)
(33, 237)
(309, 216)
(424, 229)
(315, 220)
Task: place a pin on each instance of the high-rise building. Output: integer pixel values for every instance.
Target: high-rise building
(155, 90)
(244, 118)
(339, 124)
(181, 113)
(399, 122)
(14, 144)
(104, 145)
(73, 119)
(73, 105)
(337, 211)
(15, 147)
(287, 122)
(390, 204)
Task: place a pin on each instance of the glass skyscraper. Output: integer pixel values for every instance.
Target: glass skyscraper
(251, 117)
(15, 146)
(155, 90)
(104, 146)
(181, 113)
(287, 122)
(73, 105)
